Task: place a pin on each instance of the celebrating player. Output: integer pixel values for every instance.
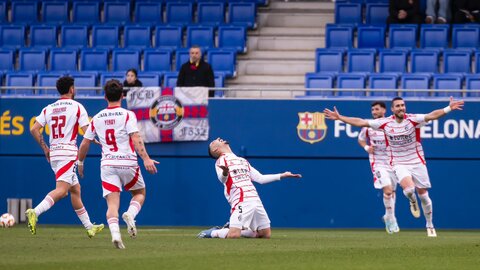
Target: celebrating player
(406, 152)
(118, 133)
(383, 175)
(247, 208)
(63, 117)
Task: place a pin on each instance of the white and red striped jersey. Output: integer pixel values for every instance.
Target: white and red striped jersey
(63, 118)
(113, 127)
(403, 139)
(238, 183)
(376, 138)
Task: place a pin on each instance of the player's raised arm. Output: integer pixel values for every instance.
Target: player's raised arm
(142, 152)
(354, 121)
(37, 135)
(454, 105)
(268, 178)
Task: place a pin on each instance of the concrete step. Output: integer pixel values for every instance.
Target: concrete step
(277, 55)
(268, 80)
(272, 43)
(288, 31)
(275, 67)
(295, 19)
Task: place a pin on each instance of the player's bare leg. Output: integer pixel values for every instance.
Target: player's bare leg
(409, 192)
(427, 211)
(138, 198)
(264, 233)
(234, 232)
(76, 198)
(113, 202)
(391, 225)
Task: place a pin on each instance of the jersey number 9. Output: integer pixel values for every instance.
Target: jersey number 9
(110, 139)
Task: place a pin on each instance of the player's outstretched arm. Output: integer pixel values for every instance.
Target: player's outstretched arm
(290, 175)
(37, 135)
(82, 154)
(142, 152)
(452, 106)
(354, 121)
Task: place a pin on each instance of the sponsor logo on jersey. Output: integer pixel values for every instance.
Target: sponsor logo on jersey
(311, 127)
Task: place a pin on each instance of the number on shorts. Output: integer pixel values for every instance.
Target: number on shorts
(57, 126)
(240, 210)
(110, 139)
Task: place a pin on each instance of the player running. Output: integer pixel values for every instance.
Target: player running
(406, 152)
(118, 133)
(63, 117)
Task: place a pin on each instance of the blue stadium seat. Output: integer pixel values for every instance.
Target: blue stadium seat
(63, 60)
(339, 36)
(137, 36)
(382, 82)
(85, 79)
(472, 82)
(179, 13)
(477, 62)
(232, 37)
(348, 13)
(159, 60)
(3, 12)
(48, 79)
(181, 57)
(377, 13)
(85, 12)
(393, 61)
(12, 36)
(457, 61)
(243, 14)
(169, 37)
(219, 82)
(148, 12)
(371, 37)
(465, 37)
(74, 36)
(149, 79)
(32, 59)
(24, 11)
(105, 36)
(402, 36)
(351, 81)
(202, 36)
(448, 82)
(125, 59)
(44, 36)
(106, 76)
(424, 61)
(170, 79)
(361, 60)
(116, 12)
(211, 13)
(415, 82)
(434, 37)
(223, 61)
(319, 80)
(55, 12)
(328, 60)
(93, 60)
(19, 79)
(7, 60)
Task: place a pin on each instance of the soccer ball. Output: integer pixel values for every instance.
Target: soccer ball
(7, 220)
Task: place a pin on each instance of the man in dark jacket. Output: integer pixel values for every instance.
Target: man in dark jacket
(466, 11)
(196, 72)
(404, 11)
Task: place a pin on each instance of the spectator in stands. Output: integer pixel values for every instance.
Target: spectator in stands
(404, 11)
(196, 72)
(466, 11)
(434, 15)
(131, 79)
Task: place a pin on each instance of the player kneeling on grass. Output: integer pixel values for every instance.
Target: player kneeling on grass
(116, 128)
(248, 217)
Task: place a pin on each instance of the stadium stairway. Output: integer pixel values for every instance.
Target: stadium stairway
(282, 48)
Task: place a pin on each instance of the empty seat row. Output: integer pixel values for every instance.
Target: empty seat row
(241, 13)
(386, 85)
(375, 13)
(396, 61)
(403, 36)
(134, 36)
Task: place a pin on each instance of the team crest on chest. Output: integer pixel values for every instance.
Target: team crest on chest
(311, 127)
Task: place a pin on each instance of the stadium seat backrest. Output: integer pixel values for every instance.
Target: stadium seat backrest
(393, 61)
(181, 57)
(202, 36)
(48, 79)
(361, 61)
(105, 36)
(472, 82)
(170, 79)
(85, 12)
(402, 36)
(19, 79)
(3, 12)
(222, 61)
(377, 13)
(55, 12)
(415, 82)
(44, 36)
(318, 80)
(232, 37)
(168, 37)
(348, 13)
(424, 61)
(63, 60)
(149, 79)
(371, 37)
(157, 60)
(116, 12)
(125, 59)
(433, 37)
(463, 37)
(137, 36)
(74, 36)
(348, 81)
(7, 58)
(448, 82)
(12, 36)
(219, 81)
(94, 60)
(327, 60)
(457, 61)
(148, 12)
(85, 79)
(211, 13)
(242, 14)
(106, 76)
(339, 37)
(24, 11)
(32, 59)
(179, 13)
(381, 81)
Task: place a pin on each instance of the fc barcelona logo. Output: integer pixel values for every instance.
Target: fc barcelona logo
(311, 127)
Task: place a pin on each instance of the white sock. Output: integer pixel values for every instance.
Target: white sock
(114, 228)
(393, 200)
(409, 192)
(46, 204)
(84, 218)
(220, 233)
(387, 201)
(134, 208)
(427, 208)
(248, 233)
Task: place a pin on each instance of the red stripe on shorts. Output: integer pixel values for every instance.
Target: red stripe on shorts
(134, 180)
(110, 187)
(64, 169)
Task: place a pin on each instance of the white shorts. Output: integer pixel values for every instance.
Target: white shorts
(383, 177)
(418, 172)
(114, 177)
(250, 215)
(65, 170)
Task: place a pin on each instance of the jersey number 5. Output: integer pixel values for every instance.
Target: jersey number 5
(57, 126)
(110, 139)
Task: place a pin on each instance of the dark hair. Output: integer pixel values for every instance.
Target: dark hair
(380, 103)
(134, 71)
(63, 84)
(395, 99)
(210, 154)
(113, 90)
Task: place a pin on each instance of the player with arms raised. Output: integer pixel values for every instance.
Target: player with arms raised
(118, 133)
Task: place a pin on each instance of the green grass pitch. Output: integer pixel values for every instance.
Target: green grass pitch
(177, 248)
